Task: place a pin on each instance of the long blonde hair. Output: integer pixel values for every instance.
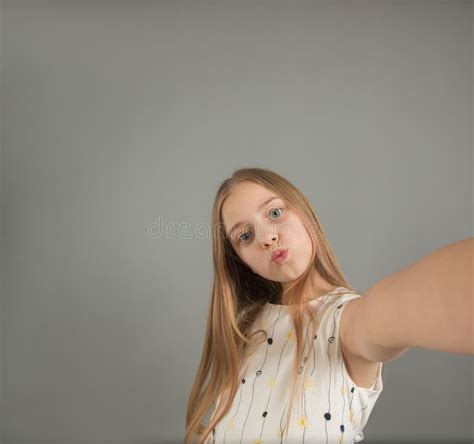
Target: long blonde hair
(237, 299)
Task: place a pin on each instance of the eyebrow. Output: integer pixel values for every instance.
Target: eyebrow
(238, 224)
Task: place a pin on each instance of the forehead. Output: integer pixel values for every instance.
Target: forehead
(243, 201)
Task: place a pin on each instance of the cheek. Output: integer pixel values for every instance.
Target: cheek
(300, 240)
(294, 231)
(250, 259)
(253, 259)
(246, 257)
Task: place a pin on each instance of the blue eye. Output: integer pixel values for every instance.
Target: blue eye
(280, 210)
(240, 237)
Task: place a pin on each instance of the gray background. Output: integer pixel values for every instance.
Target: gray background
(119, 118)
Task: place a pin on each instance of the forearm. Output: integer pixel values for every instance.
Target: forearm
(428, 304)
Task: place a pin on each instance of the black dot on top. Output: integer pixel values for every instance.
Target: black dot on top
(315, 336)
(243, 381)
(339, 306)
(331, 339)
(352, 390)
(342, 428)
(264, 414)
(327, 416)
(270, 340)
(259, 373)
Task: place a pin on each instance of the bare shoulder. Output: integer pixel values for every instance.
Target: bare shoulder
(362, 371)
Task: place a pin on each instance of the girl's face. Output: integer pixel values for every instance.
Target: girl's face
(257, 223)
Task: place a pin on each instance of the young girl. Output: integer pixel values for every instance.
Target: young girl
(284, 325)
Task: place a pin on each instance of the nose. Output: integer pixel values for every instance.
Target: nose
(266, 236)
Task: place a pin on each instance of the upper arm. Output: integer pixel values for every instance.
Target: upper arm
(355, 336)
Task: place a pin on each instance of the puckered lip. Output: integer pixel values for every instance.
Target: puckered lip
(277, 252)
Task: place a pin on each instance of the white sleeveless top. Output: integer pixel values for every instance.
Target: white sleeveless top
(335, 409)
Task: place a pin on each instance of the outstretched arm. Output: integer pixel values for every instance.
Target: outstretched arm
(427, 304)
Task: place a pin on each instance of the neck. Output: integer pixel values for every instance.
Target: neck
(314, 288)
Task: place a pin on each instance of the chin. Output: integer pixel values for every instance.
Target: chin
(292, 277)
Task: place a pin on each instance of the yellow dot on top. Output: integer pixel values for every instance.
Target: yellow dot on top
(258, 441)
(343, 390)
(231, 424)
(271, 382)
(263, 323)
(309, 383)
(290, 335)
(303, 422)
(280, 433)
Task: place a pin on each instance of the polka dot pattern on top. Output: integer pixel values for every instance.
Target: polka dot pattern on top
(334, 408)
